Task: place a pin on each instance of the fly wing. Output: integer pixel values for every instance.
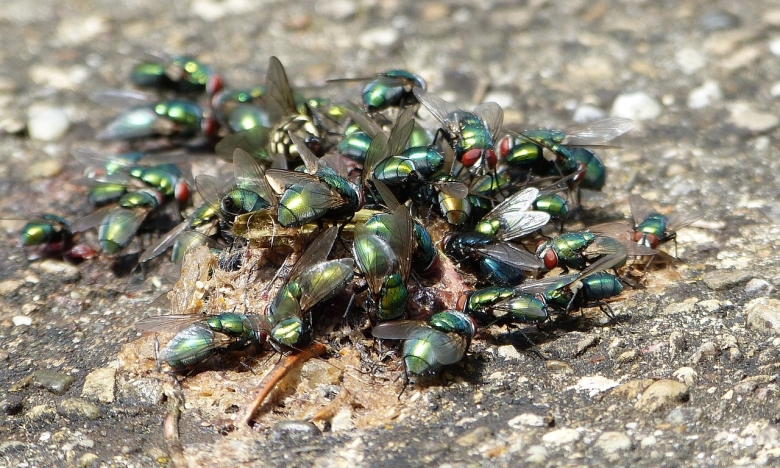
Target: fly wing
(493, 116)
(279, 97)
(517, 202)
(640, 208)
(210, 189)
(320, 196)
(377, 152)
(438, 107)
(167, 323)
(254, 141)
(251, 176)
(401, 232)
(398, 330)
(282, 179)
(310, 160)
(92, 220)
(374, 257)
(520, 224)
(546, 284)
(449, 348)
(402, 130)
(598, 132)
(387, 195)
(365, 123)
(677, 221)
(164, 242)
(323, 280)
(316, 252)
(512, 255)
(624, 234)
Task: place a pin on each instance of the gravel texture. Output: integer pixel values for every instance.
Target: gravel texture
(687, 375)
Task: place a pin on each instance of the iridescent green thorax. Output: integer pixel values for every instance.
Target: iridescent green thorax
(240, 201)
(451, 321)
(489, 227)
(474, 134)
(186, 114)
(394, 170)
(553, 204)
(654, 224)
(162, 177)
(189, 347)
(117, 230)
(392, 298)
(426, 159)
(46, 229)
(526, 308)
(354, 146)
(595, 172)
(481, 300)
(565, 250)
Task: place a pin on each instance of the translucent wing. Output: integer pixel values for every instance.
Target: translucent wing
(210, 189)
(250, 175)
(401, 132)
(545, 284)
(282, 179)
(324, 279)
(438, 107)
(401, 231)
(517, 202)
(163, 243)
(493, 116)
(320, 196)
(374, 257)
(316, 252)
(279, 97)
(167, 323)
(640, 208)
(511, 254)
(254, 141)
(598, 132)
(92, 220)
(376, 153)
(520, 224)
(363, 121)
(310, 160)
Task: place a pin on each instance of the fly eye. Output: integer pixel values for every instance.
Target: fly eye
(471, 157)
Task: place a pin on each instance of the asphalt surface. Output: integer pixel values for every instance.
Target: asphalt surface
(687, 376)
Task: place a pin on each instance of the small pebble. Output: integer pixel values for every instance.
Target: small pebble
(562, 437)
(774, 45)
(763, 314)
(706, 94)
(661, 394)
(55, 382)
(758, 286)
(636, 106)
(587, 113)
(775, 89)
(40, 413)
(508, 352)
(686, 375)
(718, 280)
(527, 420)
(295, 429)
(42, 169)
(9, 287)
(339, 10)
(100, 385)
(12, 405)
(21, 320)
(537, 454)
(719, 20)
(595, 384)
(610, 442)
(474, 437)
(54, 270)
(648, 441)
(78, 408)
(744, 116)
(690, 60)
(378, 37)
(12, 446)
(683, 416)
(48, 124)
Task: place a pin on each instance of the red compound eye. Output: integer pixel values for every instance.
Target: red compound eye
(209, 126)
(462, 301)
(471, 157)
(492, 160)
(214, 85)
(182, 192)
(550, 259)
(504, 146)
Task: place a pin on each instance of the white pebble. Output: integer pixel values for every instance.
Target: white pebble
(705, 95)
(774, 45)
(775, 90)
(743, 115)
(19, 320)
(587, 113)
(48, 124)
(636, 106)
(690, 60)
(378, 37)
